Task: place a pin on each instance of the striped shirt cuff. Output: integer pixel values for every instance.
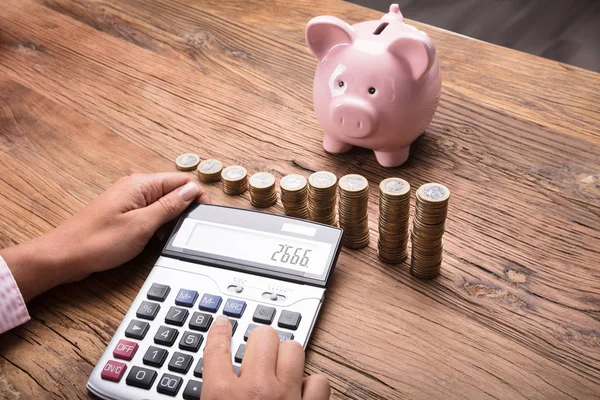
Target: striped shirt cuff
(13, 311)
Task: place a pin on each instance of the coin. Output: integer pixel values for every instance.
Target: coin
(429, 225)
(235, 180)
(294, 195)
(394, 209)
(353, 206)
(210, 170)
(322, 193)
(262, 190)
(187, 162)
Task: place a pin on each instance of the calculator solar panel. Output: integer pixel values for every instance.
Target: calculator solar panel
(157, 350)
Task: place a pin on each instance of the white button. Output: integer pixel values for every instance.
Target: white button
(274, 296)
(239, 289)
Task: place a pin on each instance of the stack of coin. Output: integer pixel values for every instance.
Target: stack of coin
(210, 170)
(294, 195)
(429, 223)
(394, 209)
(187, 162)
(262, 190)
(235, 179)
(322, 190)
(353, 210)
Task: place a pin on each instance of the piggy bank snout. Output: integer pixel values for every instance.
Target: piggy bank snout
(354, 118)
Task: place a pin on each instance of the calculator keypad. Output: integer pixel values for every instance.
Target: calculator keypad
(189, 341)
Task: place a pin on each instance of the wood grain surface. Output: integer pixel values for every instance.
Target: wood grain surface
(94, 90)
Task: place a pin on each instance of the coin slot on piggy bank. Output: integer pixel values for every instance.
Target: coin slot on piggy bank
(377, 84)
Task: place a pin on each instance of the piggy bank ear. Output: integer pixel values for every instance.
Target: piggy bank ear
(324, 33)
(416, 49)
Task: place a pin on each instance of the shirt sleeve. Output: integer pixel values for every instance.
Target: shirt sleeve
(13, 311)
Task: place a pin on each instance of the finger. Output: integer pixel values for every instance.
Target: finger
(290, 365)
(217, 353)
(316, 387)
(261, 351)
(170, 205)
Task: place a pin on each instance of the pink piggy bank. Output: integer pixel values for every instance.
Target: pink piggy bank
(377, 84)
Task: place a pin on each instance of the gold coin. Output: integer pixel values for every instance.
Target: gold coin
(187, 162)
(235, 180)
(210, 170)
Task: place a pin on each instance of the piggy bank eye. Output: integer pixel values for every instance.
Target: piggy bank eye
(341, 84)
(372, 90)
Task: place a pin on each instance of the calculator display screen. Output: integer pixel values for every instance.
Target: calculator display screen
(265, 248)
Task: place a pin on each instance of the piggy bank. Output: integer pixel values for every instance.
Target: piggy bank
(377, 84)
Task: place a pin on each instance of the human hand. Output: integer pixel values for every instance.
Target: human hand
(109, 231)
(270, 370)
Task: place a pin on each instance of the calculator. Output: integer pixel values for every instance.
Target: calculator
(256, 268)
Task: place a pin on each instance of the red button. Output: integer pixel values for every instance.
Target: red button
(113, 371)
(125, 349)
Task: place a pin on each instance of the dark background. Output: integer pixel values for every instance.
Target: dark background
(563, 30)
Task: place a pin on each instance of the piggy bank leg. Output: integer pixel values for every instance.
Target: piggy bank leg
(392, 158)
(332, 145)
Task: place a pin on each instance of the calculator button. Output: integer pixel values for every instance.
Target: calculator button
(192, 390)
(199, 368)
(125, 349)
(180, 362)
(283, 336)
(169, 384)
(234, 325)
(191, 341)
(186, 298)
(210, 302)
(137, 329)
(234, 308)
(113, 371)
(155, 356)
(200, 321)
(239, 354)
(141, 377)
(166, 336)
(264, 315)
(148, 310)
(176, 316)
(249, 330)
(158, 292)
(289, 320)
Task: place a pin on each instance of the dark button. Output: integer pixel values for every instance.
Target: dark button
(234, 325)
(234, 308)
(155, 356)
(199, 368)
(249, 330)
(137, 329)
(191, 341)
(239, 354)
(147, 310)
(264, 315)
(141, 377)
(158, 292)
(283, 336)
(186, 298)
(210, 302)
(192, 390)
(200, 321)
(166, 336)
(180, 362)
(176, 316)
(289, 320)
(169, 384)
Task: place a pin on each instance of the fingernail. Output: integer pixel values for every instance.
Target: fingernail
(221, 320)
(189, 191)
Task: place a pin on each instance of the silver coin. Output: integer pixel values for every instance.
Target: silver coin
(322, 179)
(234, 172)
(209, 166)
(187, 161)
(293, 182)
(353, 182)
(434, 192)
(262, 180)
(394, 186)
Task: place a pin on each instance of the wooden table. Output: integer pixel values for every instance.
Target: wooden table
(93, 90)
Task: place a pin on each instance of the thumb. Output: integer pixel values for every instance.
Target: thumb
(170, 205)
